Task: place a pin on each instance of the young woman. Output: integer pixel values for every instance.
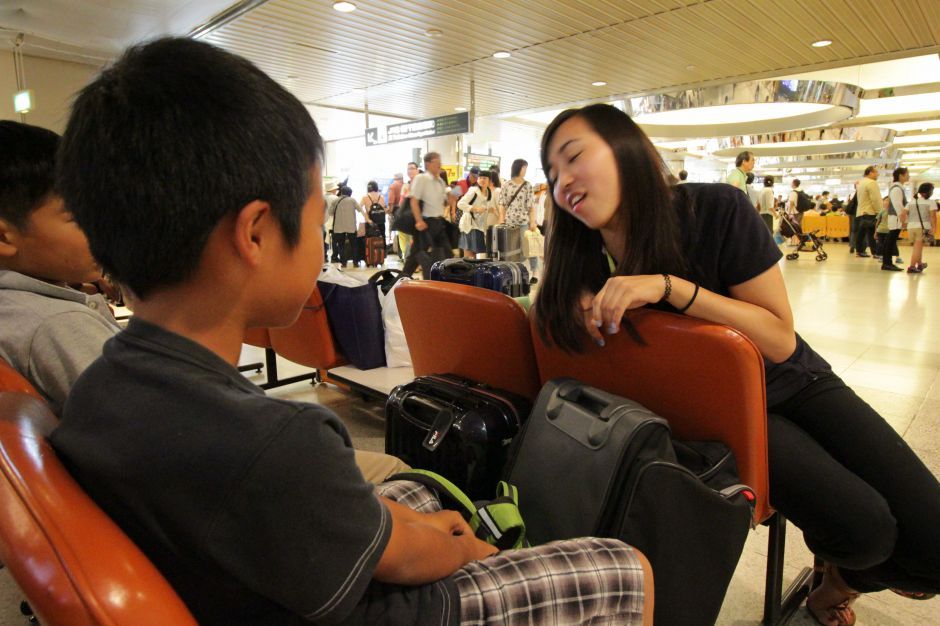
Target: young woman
(622, 239)
(480, 202)
(920, 216)
(374, 204)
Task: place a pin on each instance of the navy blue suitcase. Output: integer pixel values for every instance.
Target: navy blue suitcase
(507, 277)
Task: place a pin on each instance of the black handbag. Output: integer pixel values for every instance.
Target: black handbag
(403, 220)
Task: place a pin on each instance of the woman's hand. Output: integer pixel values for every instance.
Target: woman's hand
(619, 295)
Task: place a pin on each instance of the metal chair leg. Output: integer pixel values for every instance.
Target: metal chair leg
(780, 606)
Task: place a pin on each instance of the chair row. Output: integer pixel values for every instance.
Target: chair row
(706, 379)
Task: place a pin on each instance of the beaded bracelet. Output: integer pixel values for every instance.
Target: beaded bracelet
(694, 295)
(668, 290)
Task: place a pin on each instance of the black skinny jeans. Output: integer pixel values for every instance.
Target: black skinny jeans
(864, 233)
(862, 498)
(339, 246)
(428, 246)
(890, 248)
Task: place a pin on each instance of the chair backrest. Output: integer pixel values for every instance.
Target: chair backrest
(75, 566)
(472, 332)
(258, 337)
(11, 380)
(706, 379)
(308, 341)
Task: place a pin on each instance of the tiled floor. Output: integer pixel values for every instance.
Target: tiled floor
(881, 333)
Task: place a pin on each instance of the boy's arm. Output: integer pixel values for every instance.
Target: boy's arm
(424, 547)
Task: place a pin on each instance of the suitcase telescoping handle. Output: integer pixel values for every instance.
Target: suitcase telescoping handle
(583, 413)
(444, 418)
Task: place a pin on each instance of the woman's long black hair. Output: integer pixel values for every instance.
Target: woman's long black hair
(651, 230)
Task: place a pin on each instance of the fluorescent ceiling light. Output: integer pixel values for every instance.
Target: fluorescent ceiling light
(833, 181)
(730, 113)
(924, 156)
(897, 73)
(460, 108)
(598, 83)
(822, 43)
(916, 139)
(502, 54)
(344, 7)
(900, 105)
(905, 127)
(918, 148)
(433, 32)
(671, 145)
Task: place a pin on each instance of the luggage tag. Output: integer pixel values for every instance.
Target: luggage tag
(442, 423)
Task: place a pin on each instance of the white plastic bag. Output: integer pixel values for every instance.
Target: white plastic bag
(396, 348)
(333, 274)
(533, 244)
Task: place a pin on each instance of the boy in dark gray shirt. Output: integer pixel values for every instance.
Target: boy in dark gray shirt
(253, 508)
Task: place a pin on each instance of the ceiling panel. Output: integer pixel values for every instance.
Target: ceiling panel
(558, 47)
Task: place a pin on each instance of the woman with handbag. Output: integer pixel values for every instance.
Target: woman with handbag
(622, 239)
(517, 204)
(476, 205)
(920, 216)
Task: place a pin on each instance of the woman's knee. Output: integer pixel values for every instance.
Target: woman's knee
(865, 535)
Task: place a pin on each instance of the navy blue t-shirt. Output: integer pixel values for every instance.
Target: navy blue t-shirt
(252, 507)
(726, 244)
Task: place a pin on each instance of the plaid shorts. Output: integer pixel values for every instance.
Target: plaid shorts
(576, 581)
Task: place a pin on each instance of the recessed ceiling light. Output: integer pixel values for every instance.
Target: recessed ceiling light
(822, 43)
(502, 54)
(690, 67)
(344, 7)
(599, 83)
(460, 109)
(433, 32)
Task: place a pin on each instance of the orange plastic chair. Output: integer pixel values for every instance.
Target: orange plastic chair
(707, 380)
(75, 566)
(12, 380)
(308, 341)
(480, 334)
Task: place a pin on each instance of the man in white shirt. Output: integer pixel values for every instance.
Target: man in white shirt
(428, 194)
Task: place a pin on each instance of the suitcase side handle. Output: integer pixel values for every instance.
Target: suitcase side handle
(444, 418)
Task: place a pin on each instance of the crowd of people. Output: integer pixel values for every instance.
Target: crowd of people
(876, 220)
(437, 205)
(258, 509)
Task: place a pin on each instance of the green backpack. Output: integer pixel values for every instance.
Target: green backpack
(498, 522)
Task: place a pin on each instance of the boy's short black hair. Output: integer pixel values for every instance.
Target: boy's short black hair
(169, 140)
(27, 170)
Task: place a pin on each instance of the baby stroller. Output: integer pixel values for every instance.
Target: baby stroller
(809, 242)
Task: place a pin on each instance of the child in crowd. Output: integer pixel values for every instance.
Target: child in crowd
(252, 507)
(50, 332)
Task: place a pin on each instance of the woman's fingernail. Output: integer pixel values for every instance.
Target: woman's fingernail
(613, 329)
(598, 323)
(600, 342)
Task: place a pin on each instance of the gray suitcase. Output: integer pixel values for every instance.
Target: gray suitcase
(504, 243)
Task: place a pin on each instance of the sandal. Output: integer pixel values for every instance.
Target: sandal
(840, 613)
(913, 595)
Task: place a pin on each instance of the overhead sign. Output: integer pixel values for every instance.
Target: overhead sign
(419, 129)
(483, 161)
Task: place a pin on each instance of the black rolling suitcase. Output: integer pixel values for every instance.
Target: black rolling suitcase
(589, 463)
(455, 427)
